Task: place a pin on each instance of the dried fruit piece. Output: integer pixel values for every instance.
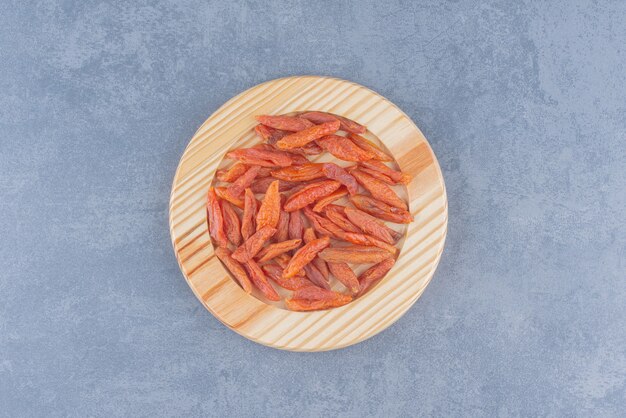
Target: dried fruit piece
(275, 272)
(315, 276)
(322, 225)
(248, 223)
(343, 148)
(231, 174)
(305, 172)
(370, 147)
(334, 172)
(311, 194)
(396, 176)
(325, 201)
(285, 123)
(215, 219)
(269, 212)
(259, 186)
(372, 275)
(381, 210)
(283, 260)
(300, 139)
(244, 181)
(338, 216)
(223, 194)
(260, 281)
(282, 229)
(316, 293)
(305, 255)
(261, 157)
(253, 245)
(295, 225)
(264, 172)
(270, 135)
(274, 250)
(308, 236)
(232, 225)
(345, 123)
(379, 190)
(355, 255)
(378, 175)
(345, 275)
(363, 239)
(371, 225)
(309, 149)
(302, 305)
(294, 154)
(235, 268)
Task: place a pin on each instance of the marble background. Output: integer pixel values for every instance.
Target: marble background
(523, 102)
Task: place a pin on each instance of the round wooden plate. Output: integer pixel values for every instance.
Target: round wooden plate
(232, 126)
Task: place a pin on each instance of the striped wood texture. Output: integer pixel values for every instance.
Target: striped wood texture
(232, 126)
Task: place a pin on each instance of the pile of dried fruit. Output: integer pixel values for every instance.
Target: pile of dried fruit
(295, 235)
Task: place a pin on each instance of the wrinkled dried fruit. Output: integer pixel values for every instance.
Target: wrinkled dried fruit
(232, 225)
(343, 148)
(285, 123)
(243, 182)
(295, 225)
(355, 255)
(379, 190)
(327, 200)
(308, 236)
(311, 194)
(223, 194)
(259, 186)
(275, 272)
(260, 157)
(316, 293)
(370, 225)
(235, 268)
(274, 250)
(336, 214)
(369, 146)
(316, 276)
(260, 281)
(248, 220)
(305, 255)
(371, 276)
(305, 172)
(283, 260)
(334, 172)
(270, 135)
(381, 210)
(264, 172)
(215, 219)
(269, 212)
(253, 245)
(345, 123)
(309, 149)
(321, 225)
(396, 176)
(282, 229)
(378, 175)
(363, 239)
(232, 174)
(300, 139)
(345, 275)
(302, 305)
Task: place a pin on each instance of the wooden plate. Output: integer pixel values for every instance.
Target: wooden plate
(232, 126)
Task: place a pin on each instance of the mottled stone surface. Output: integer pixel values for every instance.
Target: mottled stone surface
(523, 102)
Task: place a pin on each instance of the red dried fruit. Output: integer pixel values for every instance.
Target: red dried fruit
(305, 172)
(381, 210)
(248, 223)
(269, 212)
(245, 180)
(378, 175)
(334, 172)
(308, 236)
(295, 225)
(260, 281)
(232, 225)
(371, 276)
(371, 225)
(369, 146)
(302, 305)
(322, 225)
(345, 275)
(379, 190)
(223, 194)
(282, 229)
(235, 268)
(270, 135)
(394, 175)
(337, 215)
(305, 255)
(355, 255)
(231, 174)
(316, 293)
(283, 260)
(315, 276)
(215, 219)
(300, 139)
(343, 148)
(363, 239)
(285, 123)
(253, 245)
(345, 123)
(274, 250)
(259, 186)
(311, 194)
(275, 272)
(264, 172)
(260, 157)
(325, 201)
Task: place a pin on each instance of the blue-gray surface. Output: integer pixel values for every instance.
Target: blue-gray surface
(523, 102)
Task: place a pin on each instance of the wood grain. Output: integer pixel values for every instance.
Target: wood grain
(232, 126)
